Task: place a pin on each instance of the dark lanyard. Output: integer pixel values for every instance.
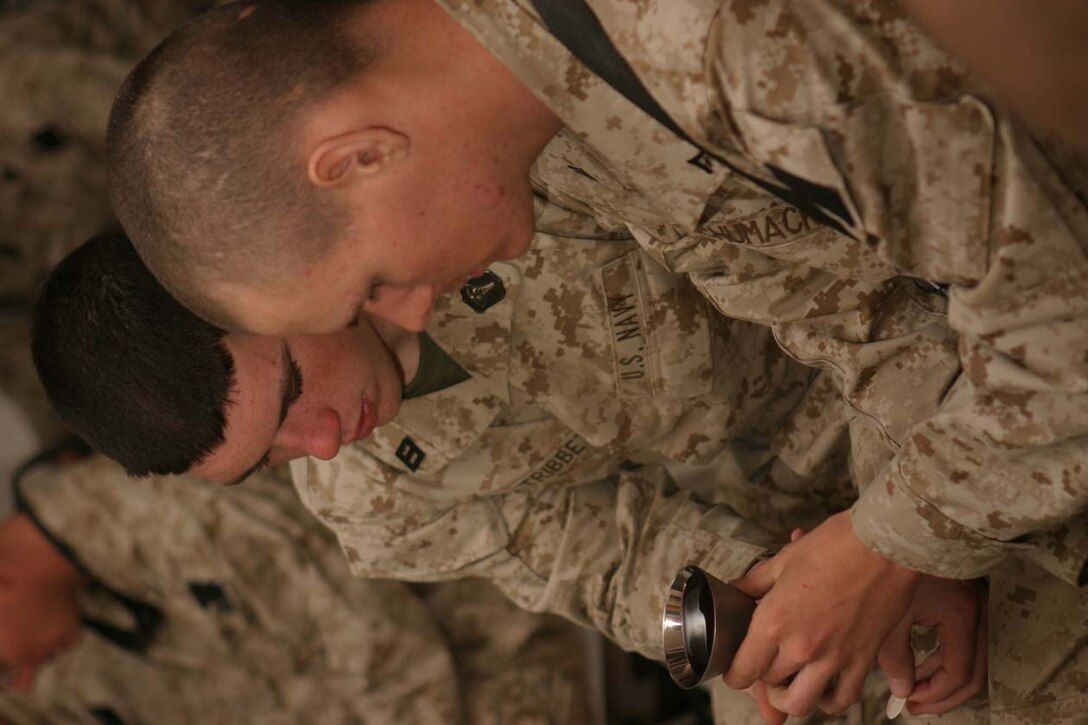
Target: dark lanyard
(574, 24)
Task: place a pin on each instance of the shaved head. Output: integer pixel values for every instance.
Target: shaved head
(204, 166)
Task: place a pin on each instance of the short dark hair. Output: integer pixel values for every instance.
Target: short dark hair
(138, 376)
(204, 167)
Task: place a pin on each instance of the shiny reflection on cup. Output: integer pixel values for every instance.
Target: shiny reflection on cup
(705, 621)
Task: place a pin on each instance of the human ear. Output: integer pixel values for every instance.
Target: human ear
(340, 160)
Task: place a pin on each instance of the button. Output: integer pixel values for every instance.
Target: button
(483, 292)
(410, 454)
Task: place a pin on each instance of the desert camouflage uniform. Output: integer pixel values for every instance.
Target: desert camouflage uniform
(235, 606)
(61, 63)
(846, 108)
(528, 473)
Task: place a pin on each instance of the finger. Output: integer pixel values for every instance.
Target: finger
(767, 713)
(781, 670)
(957, 664)
(760, 578)
(796, 534)
(925, 670)
(975, 686)
(805, 692)
(776, 694)
(978, 678)
(755, 655)
(896, 659)
(847, 690)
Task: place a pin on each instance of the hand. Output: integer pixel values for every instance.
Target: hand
(957, 670)
(758, 691)
(828, 603)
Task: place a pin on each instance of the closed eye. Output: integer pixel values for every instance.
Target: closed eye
(291, 391)
(294, 388)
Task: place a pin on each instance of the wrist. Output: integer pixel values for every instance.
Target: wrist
(892, 571)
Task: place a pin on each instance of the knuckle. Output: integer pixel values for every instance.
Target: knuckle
(770, 622)
(802, 648)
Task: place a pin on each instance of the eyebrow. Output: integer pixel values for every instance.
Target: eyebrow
(290, 388)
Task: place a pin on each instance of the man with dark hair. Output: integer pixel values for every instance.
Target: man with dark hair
(521, 419)
(171, 601)
(175, 416)
(799, 160)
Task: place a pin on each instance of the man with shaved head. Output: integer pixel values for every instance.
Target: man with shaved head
(233, 187)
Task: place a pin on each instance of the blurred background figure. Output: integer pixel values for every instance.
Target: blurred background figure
(171, 600)
(61, 62)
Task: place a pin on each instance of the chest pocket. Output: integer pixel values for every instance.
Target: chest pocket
(918, 198)
(659, 330)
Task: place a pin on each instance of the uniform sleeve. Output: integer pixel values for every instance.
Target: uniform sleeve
(930, 180)
(601, 554)
(1006, 454)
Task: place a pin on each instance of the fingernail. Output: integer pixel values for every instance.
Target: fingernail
(895, 706)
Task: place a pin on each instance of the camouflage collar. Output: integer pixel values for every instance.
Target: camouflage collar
(479, 341)
(663, 169)
(435, 429)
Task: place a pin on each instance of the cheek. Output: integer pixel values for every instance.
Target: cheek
(492, 197)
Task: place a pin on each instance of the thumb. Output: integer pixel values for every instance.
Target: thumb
(896, 659)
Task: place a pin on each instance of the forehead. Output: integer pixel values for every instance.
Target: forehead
(253, 411)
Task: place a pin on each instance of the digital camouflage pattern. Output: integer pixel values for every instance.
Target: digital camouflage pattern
(847, 101)
(1038, 658)
(541, 471)
(261, 621)
(921, 178)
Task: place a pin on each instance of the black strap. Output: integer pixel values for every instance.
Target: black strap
(574, 24)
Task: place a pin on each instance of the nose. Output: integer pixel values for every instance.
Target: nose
(316, 435)
(406, 307)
